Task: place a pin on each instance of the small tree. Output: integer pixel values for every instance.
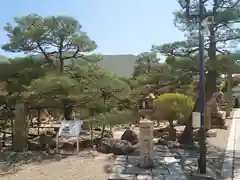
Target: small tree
(173, 106)
(112, 118)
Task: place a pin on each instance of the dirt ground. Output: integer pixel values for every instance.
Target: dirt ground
(89, 165)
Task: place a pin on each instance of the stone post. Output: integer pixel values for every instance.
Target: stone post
(146, 143)
(20, 133)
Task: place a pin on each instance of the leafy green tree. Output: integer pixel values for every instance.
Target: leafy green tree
(221, 33)
(57, 38)
(116, 117)
(146, 63)
(21, 72)
(173, 106)
(95, 90)
(16, 75)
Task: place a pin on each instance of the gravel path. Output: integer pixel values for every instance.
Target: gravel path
(71, 168)
(77, 167)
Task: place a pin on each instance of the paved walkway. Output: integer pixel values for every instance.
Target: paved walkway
(166, 167)
(231, 163)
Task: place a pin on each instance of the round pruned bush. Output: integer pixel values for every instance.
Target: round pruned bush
(173, 106)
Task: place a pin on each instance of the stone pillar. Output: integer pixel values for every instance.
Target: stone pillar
(20, 133)
(146, 143)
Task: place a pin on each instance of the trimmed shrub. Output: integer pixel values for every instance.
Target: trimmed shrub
(173, 106)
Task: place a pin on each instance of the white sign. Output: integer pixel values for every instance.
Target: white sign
(196, 119)
(70, 128)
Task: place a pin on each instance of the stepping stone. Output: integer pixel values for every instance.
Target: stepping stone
(161, 148)
(130, 169)
(118, 168)
(133, 160)
(121, 158)
(169, 160)
(160, 171)
(211, 133)
(115, 176)
(175, 169)
(174, 177)
(144, 177)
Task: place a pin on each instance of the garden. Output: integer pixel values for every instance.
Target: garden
(60, 78)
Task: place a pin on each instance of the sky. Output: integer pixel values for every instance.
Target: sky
(117, 26)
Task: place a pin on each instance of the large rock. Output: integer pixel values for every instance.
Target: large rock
(115, 146)
(131, 136)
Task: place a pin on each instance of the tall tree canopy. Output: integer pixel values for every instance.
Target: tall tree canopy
(146, 63)
(221, 34)
(55, 37)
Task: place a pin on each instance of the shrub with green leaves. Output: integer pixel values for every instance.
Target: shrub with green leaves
(173, 106)
(115, 117)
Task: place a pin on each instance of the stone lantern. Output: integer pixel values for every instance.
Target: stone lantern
(146, 105)
(147, 102)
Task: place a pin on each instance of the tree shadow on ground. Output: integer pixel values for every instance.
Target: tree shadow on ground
(215, 159)
(189, 160)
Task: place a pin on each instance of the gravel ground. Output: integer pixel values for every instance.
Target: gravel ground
(88, 167)
(71, 168)
(215, 153)
(77, 167)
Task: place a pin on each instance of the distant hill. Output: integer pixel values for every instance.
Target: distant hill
(3, 59)
(121, 65)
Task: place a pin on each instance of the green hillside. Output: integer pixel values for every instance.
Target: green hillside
(121, 65)
(3, 59)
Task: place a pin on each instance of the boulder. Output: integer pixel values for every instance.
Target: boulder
(131, 136)
(115, 146)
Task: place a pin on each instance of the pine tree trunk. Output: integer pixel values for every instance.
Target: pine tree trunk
(172, 132)
(210, 86)
(186, 136)
(20, 128)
